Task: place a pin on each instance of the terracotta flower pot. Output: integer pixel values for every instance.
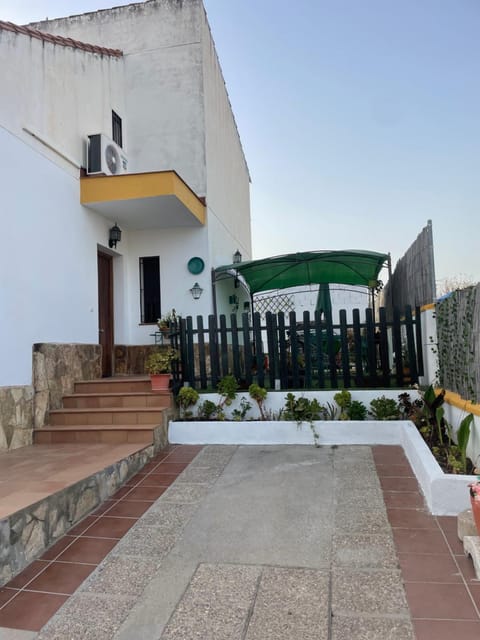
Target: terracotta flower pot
(476, 512)
(160, 381)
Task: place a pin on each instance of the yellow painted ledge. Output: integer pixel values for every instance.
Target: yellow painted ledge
(131, 186)
(456, 400)
(426, 307)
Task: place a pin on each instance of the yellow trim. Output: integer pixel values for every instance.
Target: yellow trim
(426, 307)
(456, 400)
(140, 185)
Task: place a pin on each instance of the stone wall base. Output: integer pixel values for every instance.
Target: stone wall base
(16, 417)
(26, 534)
(56, 367)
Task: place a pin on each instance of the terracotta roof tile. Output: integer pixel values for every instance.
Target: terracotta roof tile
(64, 42)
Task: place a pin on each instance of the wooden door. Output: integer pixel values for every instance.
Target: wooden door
(105, 310)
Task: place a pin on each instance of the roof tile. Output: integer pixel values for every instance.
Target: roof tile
(64, 42)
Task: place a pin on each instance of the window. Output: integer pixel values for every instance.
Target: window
(117, 129)
(149, 289)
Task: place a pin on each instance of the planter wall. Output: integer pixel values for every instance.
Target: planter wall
(445, 494)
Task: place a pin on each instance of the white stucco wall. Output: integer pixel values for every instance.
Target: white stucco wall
(228, 181)
(163, 81)
(48, 259)
(61, 94)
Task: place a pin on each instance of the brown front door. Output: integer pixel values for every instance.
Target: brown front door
(105, 311)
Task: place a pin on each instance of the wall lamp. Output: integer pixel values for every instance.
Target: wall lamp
(196, 291)
(114, 236)
(237, 257)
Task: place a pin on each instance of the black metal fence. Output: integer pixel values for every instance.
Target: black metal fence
(311, 353)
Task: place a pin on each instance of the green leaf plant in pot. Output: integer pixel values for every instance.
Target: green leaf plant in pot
(159, 366)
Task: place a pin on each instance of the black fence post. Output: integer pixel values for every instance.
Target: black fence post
(202, 360)
(212, 340)
(344, 349)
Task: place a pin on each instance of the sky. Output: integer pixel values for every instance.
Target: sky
(360, 120)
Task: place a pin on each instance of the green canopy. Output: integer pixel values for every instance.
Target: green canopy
(313, 267)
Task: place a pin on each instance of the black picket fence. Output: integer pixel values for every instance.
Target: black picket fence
(311, 353)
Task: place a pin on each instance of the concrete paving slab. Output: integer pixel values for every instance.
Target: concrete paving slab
(361, 628)
(364, 550)
(291, 603)
(368, 593)
(216, 603)
(14, 634)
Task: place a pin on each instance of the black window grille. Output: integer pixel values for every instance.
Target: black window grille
(149, 289)
(117, 129)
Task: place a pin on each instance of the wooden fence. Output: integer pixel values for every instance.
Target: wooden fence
(310, 353)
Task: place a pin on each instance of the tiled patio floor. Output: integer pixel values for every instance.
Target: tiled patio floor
(29, 600)
(442, 591)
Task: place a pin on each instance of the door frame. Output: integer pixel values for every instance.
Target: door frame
(105, 307)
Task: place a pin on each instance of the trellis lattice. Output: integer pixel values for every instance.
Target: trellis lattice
(282, 302)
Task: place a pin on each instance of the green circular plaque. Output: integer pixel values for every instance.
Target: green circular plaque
(196, 265)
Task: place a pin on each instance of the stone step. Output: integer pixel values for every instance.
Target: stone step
(112, 434)
(112, 400)
(139, 384)
(126, 415)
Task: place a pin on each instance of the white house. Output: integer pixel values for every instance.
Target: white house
(171, 174)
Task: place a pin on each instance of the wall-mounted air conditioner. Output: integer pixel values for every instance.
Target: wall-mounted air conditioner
(105, 156)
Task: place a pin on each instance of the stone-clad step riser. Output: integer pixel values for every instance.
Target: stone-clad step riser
(73, 417)
(114, 386)
(118, 436)
(117, 401)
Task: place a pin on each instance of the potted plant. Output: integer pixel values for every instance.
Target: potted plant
(165, 322)
(159, 366)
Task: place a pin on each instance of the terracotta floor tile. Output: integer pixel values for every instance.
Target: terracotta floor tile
(466, 567)
(57, 548)
(181, 456)
(121, 493)
(439, 601)
(389, 454)
(399, 484)
(447, 523)
(475, 591)
(403, 500)
(134, 480)
(419, 541)
(129, 509)
(61, 577)
(455, 544)
(30, 610)
(105, 506)
(146, 493)
(27, 574)
(6, 595)
(110, 527)
(79, 528)
(411, 519)
(397, 470)
(446, 630)
(158, 480)
(429, 567)
(171, 467)
(88, 550)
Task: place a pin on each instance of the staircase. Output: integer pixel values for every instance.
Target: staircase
(110, 410)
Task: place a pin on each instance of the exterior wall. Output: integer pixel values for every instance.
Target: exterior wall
(175, 248)
(49, 250)
(64, 95)
(163, 81)
(429, 346)
(228, 181)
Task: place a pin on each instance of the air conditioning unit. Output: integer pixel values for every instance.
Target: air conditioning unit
(105, 156)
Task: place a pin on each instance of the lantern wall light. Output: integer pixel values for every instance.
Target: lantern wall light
(196, 291)
(114, 236)
(237, 257)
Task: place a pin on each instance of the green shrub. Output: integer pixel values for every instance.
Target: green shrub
(187, 397)
(384, 408)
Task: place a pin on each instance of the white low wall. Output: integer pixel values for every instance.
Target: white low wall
(445, 494)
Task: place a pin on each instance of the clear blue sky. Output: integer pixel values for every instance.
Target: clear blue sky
(360, 120)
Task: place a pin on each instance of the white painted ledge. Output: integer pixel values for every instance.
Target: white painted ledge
(445, 494)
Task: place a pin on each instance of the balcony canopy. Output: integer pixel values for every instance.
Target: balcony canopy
(313, 267)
